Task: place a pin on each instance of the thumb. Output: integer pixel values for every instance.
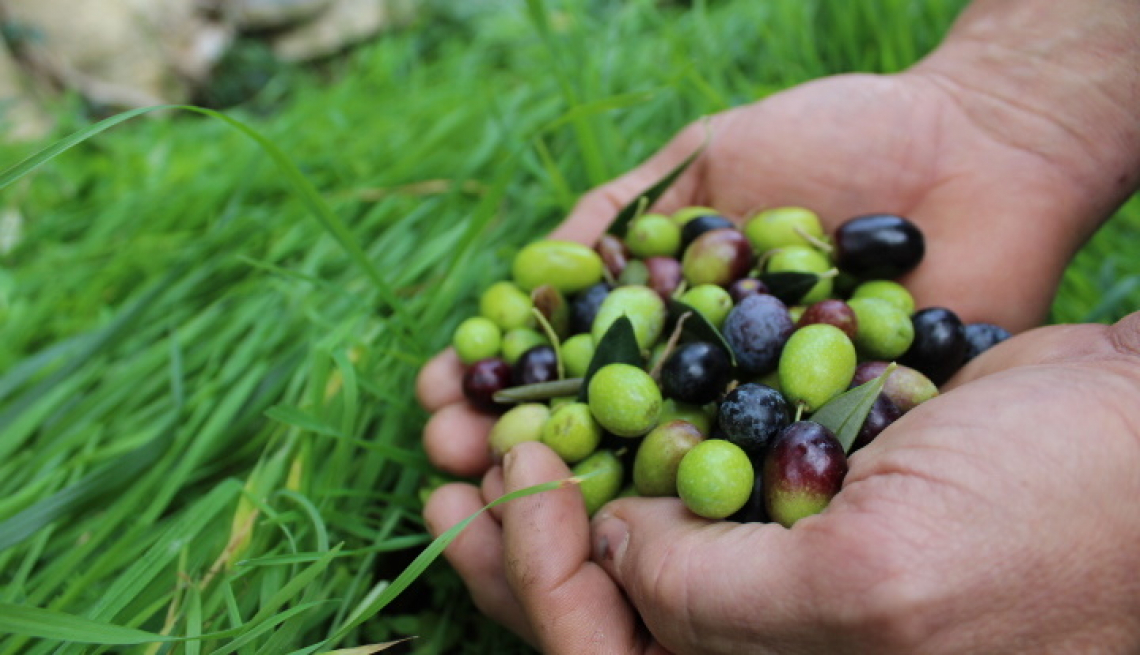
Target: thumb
(707, 586)
(594, 210)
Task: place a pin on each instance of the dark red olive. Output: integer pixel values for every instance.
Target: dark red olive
(483, 379)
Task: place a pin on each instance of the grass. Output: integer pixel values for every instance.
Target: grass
(205, 422)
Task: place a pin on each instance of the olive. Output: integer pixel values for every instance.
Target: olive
(883, 331)
(712, 301)
(906, 387)
(717, 257)
(653, 235)
(696, 373)
(477, 338)
(816, 365)
(883, 413)
(567, 266)
(980, 337)
(697, 226)
(645, 309)
(939, 347)
(783, 226)
(881, 246)
(600, 479)
(571, 432)
(520, 423)
(663, 275)
(624, 399)
(659, 455)
(483, 379)
(833, 312)
(614, 253)
(756, 330)
(751, 415)
(538, 364)
(802, 471)
(584, 307)
(714, 479)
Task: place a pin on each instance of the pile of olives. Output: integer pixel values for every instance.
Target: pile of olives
(735, 339)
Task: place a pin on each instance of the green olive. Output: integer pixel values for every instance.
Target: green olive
(565, 265)
(817, 364)
(715, 479)
(520, 423)
(645, 309)
(519, 340)
(577, 351)
(699, 416)
(477, 338)
(624, 399)
(887, 290)
(780, 227)
(659, 455)
(885, 331)
(653, 235)
(572, 433)
(711, 300)
(507, 305)
(600, 477)
(803, 259)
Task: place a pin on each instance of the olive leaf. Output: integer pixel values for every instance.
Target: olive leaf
(617, 345)
(697, 327)
(539, 391)
(844, 414)
(789, 286)
(646, 198)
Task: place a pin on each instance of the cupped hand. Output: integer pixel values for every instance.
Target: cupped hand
(841, 146)
(997, 517)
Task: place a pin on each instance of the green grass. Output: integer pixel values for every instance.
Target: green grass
(205, 419)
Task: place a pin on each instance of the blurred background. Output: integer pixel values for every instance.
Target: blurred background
(209, 328)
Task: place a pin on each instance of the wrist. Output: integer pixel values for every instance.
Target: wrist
(1060, 81)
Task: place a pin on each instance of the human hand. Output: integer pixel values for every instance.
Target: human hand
(841, 146)
(993, 518)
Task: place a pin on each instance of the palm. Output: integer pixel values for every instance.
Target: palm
(856, 144)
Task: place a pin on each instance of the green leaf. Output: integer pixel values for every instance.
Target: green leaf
(697, 327)
(789, 286)
(845, 413)
(49, 624)
(539, 391)
(646, 198)
(375, 602)
(617, 345)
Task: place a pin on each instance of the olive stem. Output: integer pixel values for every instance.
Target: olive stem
(554, 340)
(816, 242)
(670, 346)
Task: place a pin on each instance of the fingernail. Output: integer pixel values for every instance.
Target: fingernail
(610, 537)
(508, 463)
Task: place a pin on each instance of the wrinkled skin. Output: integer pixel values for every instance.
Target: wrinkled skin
(997, 517)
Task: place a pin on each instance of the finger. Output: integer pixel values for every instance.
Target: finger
(572, 604)
(440, 381)
(493, 488)
(477, 554)
(455, 439)
(708, 586)
(594, 211)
